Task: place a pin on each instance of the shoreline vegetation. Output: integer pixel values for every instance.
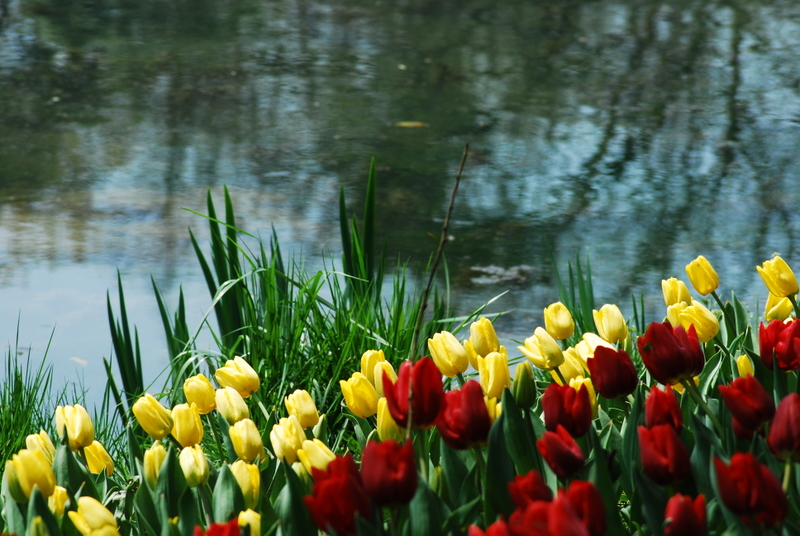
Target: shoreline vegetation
(346, 402)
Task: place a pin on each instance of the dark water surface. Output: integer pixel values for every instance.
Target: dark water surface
(636, 132)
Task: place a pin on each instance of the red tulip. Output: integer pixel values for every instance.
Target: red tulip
(529, 488)
(464, 420)
(613, 373)
(338, 496)
(389, 472)
(748, 402)
(498, 528)
(541, 518)
(664, 458)
(671, 354)
(563, 405)
(780, 342)
(230, 528)
(767, 339)
(561, 452)
(685, 517)
(784, 432)
(587, 502)
(661, 407)
(750, 490)
(428, 394)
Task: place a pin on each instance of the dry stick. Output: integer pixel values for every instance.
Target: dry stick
(424, 303)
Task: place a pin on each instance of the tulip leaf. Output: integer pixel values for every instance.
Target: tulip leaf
(426, 511)
(37, 507)
(600, 476)
(499, 472)
(630, 441)
(652, 500)
(71, 473)
(779, 387)
(460, 518)
(228, 499)
(171, 485)
(188, 513)
(290, 507)
(146, 511)
(224, 429)
(455, 471)
(12, 512)
(519, 436)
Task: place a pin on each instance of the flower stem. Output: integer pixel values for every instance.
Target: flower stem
(461, 379)
(794, 305)
(787, 475)
(561, 376)
(691, 388)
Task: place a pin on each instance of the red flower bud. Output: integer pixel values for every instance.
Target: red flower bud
(561, 452)
(671, 354)
(541, 518)
(784, 432)
(664, 458)
(464, 420)
(338, 496)
(588, 504)
(661, 407)
(780, 342)
(498, 528)
(230, 528)
(685, 517)
(748, 402)
(563, 405)
(613, 373)
(529, 488)
(428, 394)
(750, 490)
(389, 472)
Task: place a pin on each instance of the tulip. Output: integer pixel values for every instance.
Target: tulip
(250, 518)
(674, 313)
(42, 442)
(153, 460)
(675, 291)
(194, 465)
(779, 341)
(671, 354)
(587, 346)
(744, 366)
(587, 502)
(702, 275)
(567, 407)
(498, 528)
(684, 516)
(368, 361)
(524, 386)
(777, 308)
(464, 421)
(287, 438)
(360, 395)
(449, 355)
(529, 488)
(494, 407)
(155, 419)
(231, 405)
(428, 393)
(561, 452)
(664, 458)
(98, 459)
(249, 479)
(187, 428)
(57, 502)
(482, 341)
(494, 374)
(661, 407)
(748, 402)
(750, 490)
(230, 528)
(75, 421)
(573, 366)
(240, 375)
(338, 497)
(542, 350)
(93, 519)
(613, 373)
(198, 390)
(778, 277)
(704, 321)
(389, 472)
(387, 428)
(381, 368)
(558, 321)
(784, 432)
(246, 440)
(315, 454)
(28, 469)
(545, 518)
(586, 383)
(610, 323)
(302, 405)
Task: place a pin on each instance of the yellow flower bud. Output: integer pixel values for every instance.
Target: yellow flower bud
(778, 277)
(368, 361)
(287, 438)
(777, 308)
(524, 386)
(360, 395)
(573, 366)
(249, 479)
(482, 341)
(387, 427)
(38, 527)
(42, 442)
(315, 454)
(250, 518)
(704, 321)
(154, 418)
(494, 374)
(542, 350)
(77, 423)
(28, 469)
(587, 346)
(382, 367)
(153, 460)
(745, 366)
(494, 406)
(98, 459)
(702, 275)
(198, 390)
(58, 501)
(576, 383)
(93, 519)
(240, 375)
(187, 428)
(246, 440)
(674, 313)
(302, 405)
(558, 321)
(449, 355)
(675, 291)
(231, 405)
(610, 323)
(194, 465)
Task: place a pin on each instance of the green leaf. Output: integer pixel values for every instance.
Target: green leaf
(652, 499)
(290, 507)
(499, 472)
(170, 487)
(228, 500)
(455, 471)
(146, 511)
(426, 512)
(37, 507)
(71, 473)
(599, 475)
(519, 437)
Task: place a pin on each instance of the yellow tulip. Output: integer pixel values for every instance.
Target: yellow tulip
(231, 405)
(610, 323)
(93, 519)
(494, 374)
(368, 361)
(240, 375)
(153, 460)
(57, 502)
(573, 366)
(194, 465)
(246, 440)
(524, 386)
(78, 425)
(249, 479)
(198, 390)
(674, 313)
(287, 438)
(588, 344)
(449, 355)
(98, 459)
(576, 384)
(360, 395)
(493, 406)
(387, 427)
(542, 350)
(154, 418)
(28, 469)
(315, 454)
(704, 321)
(778, 277)
(187, 428)
(777, 308)
(675, 291)
(381, 368)
(250, 518)
(302, 405)
(558, 321)
(745, 366)
(482, 341)
(42, 442)
(702, 275)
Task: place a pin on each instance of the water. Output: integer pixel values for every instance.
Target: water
(637, 133)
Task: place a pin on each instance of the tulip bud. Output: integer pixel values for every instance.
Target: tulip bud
(777, 308)
(249, 479)
(784, 432)
(315, 454)
(558, 321)
(778, 277)
(250, 518)
(28, 469)
(465, 421)
(569, 407)
(58, 501)
(153, 460)
(38, 527)
(675, 291)
(542, 350)
(586, 383)
(231, 405)
(524, 386)
(588, 345)
(198, 390)
(187, 429)
(494, 374)
(449, 355)
(748, 402)
(674, 313)
(93, 519)
(387, 428)
(98, 459)
(302, 405)
(78, 425)
(239, 375)
(702, 275)
(426, 404)
(389, 472)
(42, 442)
(561, 452)
(613, 373)
(482, 340)
(494, 407)
(684, 516)
(744, 366)
(381, 368)
(610, 323)
(194, 465)
(360, 395)
(664, 458)
(751, 490)
(661, 407)
(154, 418)
(573, 366)
(287, 438)
(368, 361)
(247, 441)
(704, 321)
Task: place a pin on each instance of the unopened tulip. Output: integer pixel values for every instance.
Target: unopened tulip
(198, 390)
(567, 407)
(428, 393)
(704, 321)
(744, 366)
(750, 490)
(684, 516)
(585, 499)
(78, 425)
(777, 308)
(98, 459)
(781, 341)
(778, 277)
(57, 502)
(250, 518)
(674, 313)
(573, 367)
(579, 383)
(558, 321)
(524, 386)
(155, 419)
(302, 405)
(194, 465)
(249, 479)
(748, 402)
(494, 374)
(664, 458)
(187, 429)
(671, 354)
(464, 422)
(315, 454)
(702, 275)
(613, 372)
(28, 469)
(784, 432)
(675, 291)
(42, 442)
(661, 407)
(338, 497)
(153, 460)
(389, 472)
(387, 428)
(588, 344)
(383, 368)
(360, 395)
(93, 519)
(238, 373)
(368, 361)
(561, 452)
(287, 438)
(246, 440)
(542, 350)
(529, 488)
(449, 355)
(610, 323)
(482, 341)
(231, 405)
(494, 406)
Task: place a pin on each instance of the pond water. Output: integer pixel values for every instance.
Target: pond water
(636, 133)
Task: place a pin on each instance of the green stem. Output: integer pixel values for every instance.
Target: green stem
(729, 323)
(691, 388)
(461, 379)
(561, 376)
(787, 475)
(794, 305)
(205, 497)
